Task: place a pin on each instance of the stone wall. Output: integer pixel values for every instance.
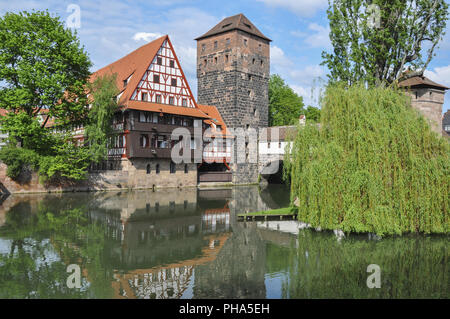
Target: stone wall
(129, 174)
(234, 77)
(429, 103)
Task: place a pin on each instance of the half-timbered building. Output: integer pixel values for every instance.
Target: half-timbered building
(154, 100)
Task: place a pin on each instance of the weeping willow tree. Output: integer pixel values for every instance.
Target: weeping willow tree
(374, 165)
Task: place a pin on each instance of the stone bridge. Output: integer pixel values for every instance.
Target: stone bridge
(272, 145)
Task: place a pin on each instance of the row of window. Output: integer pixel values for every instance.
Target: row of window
(159, 62)
(156, 118)
(205, 61)
(279, 145)
(173, 81)
(227, 43)
(160, 141)
(146, 97)
(172, 168)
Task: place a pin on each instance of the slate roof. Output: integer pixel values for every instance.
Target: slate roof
(236, 22)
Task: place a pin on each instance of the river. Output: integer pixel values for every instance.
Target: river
(187, 243)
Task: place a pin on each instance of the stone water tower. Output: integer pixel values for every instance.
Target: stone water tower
(427, 97)
(233, 70)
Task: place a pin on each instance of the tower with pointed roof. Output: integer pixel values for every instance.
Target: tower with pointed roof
(427, 97)
(233, 69)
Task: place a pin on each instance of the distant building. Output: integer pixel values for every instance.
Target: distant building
(446, 123)
(427, 97)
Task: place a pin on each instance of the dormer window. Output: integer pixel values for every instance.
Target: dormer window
(125, 82)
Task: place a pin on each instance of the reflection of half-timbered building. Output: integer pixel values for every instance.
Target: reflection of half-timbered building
(155, 99)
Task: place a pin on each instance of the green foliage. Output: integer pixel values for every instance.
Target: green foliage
(312, 114)
(17, 159)
(373, 166)
(104, 105)
(70, 161)
(363, 51)
(285, 106)
(42, 66)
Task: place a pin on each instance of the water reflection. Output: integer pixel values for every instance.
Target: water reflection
(187, 244)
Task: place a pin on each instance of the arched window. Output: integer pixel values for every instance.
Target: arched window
(173, 168)
(186, 168)
(157, 168)
(148, 169)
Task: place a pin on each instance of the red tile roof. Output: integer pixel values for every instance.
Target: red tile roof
(170, 109)
(134, 63)
(3, 112)
(213, 113)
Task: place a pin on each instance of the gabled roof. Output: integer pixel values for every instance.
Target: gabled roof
(214, 116)
(134, 63)
(421, 81)
(237, 22)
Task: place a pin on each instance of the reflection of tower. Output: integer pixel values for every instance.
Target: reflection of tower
(238, 271)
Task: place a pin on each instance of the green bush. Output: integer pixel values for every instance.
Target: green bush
(17, 159)
(373, 166)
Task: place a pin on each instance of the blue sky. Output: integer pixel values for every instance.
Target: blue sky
(298, 28)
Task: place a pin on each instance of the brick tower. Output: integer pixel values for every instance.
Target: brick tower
(427, 97)
(233, 70)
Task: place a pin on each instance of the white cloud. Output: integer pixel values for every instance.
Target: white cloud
(309, 75)
(317, 37)
(146, 36)
(304, 8)
(278, 60)
(440, 75)
(320, 38)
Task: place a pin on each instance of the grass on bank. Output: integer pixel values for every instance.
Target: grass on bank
(274, 212)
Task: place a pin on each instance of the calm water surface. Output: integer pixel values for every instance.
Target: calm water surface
(188, 244)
